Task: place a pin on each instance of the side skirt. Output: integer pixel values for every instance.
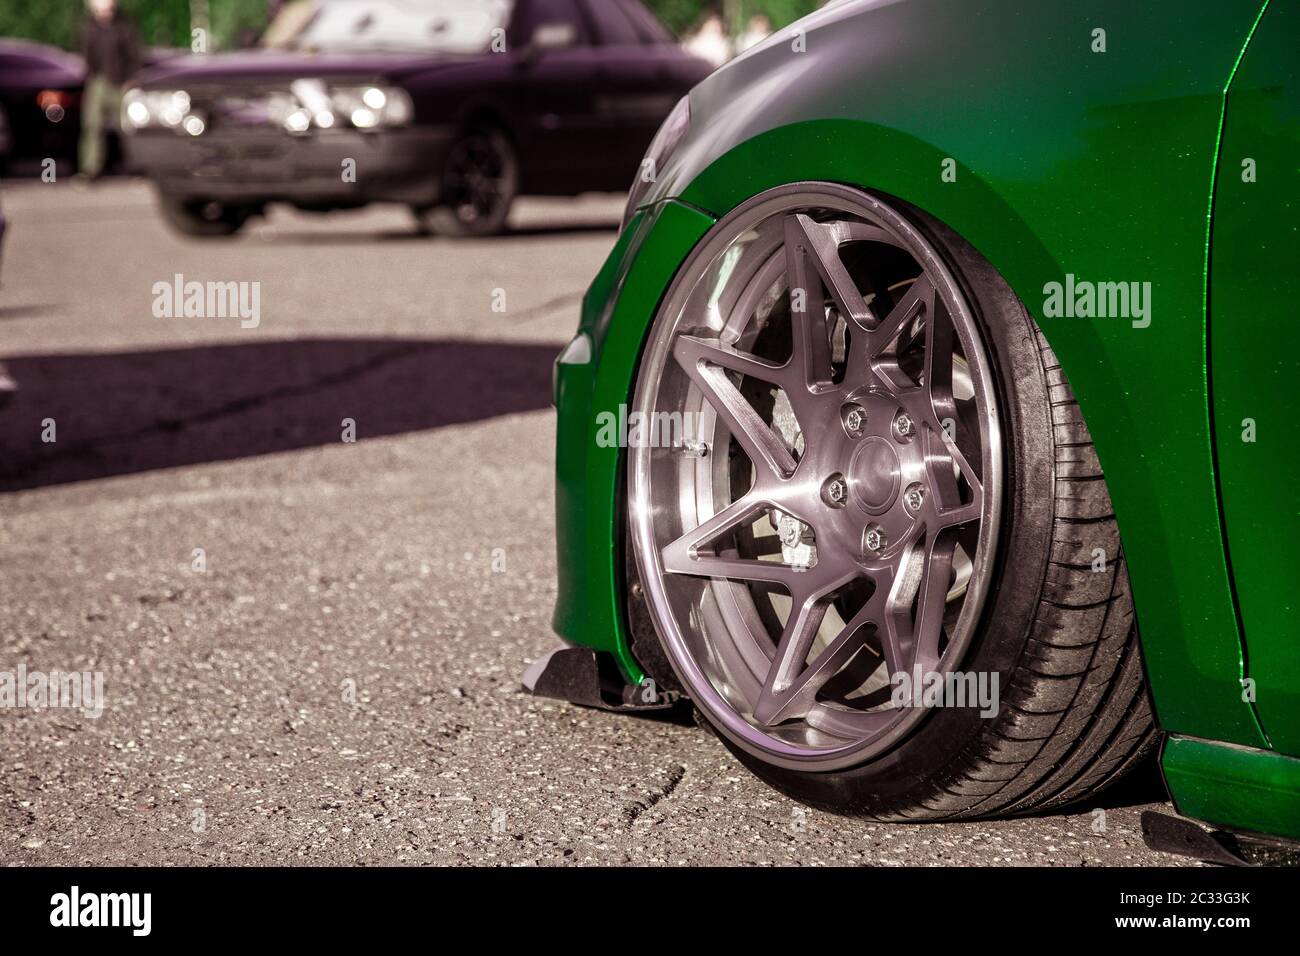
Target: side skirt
(1228, 786)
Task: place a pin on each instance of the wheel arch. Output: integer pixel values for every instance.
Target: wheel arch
(1190, 664)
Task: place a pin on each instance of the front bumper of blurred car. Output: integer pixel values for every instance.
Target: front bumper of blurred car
(329, 168)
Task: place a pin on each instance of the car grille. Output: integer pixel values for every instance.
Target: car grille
(248, 109)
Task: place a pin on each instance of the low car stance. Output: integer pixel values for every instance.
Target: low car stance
(452, 107)
(924, 433)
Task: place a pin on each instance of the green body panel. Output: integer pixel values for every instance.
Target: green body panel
(1235, 787)
(1255, 356)
(1066, 161)
(589, 608)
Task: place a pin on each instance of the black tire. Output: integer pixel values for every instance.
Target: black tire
(485, 156)
(1074, 715)
(204, 219)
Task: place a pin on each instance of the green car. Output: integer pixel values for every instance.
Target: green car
(927, 427)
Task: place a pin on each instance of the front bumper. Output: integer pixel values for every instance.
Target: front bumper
(263, 165)
(616, 315)
(1234, 787)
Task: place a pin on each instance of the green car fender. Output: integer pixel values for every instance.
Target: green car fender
(1072, 148)
(593, 379)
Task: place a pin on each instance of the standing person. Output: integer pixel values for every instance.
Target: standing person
(709, 42)
(111, 49)
(758, 30)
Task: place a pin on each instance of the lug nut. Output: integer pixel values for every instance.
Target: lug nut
(695, 448)
(914, 496)
(874, 539)
(835, 491)
(903, 426)
(855, 419)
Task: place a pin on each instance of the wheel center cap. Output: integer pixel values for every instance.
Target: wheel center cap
(874, 474)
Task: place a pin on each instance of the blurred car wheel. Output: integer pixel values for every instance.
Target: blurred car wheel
(480, 180)
(203, 217)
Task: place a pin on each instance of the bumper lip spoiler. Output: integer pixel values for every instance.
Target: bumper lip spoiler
(591, 678)
(1166, 833)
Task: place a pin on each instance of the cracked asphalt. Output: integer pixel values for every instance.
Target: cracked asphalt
(339, 683)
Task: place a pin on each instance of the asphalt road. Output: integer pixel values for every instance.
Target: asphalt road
(341, 684)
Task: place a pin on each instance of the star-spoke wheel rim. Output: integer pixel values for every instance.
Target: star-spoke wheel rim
(825, 516)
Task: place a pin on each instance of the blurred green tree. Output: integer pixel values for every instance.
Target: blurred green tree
(161, 22)
(167, 22)
(683, 15)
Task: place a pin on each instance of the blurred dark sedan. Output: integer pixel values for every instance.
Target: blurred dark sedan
(451, 107)
(40, 105)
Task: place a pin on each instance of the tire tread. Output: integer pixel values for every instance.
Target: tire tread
(1075, 717)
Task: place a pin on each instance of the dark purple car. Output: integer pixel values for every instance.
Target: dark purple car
(451, 107)
(40, 106)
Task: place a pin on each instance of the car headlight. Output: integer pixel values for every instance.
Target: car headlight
(170, 109)
(666, 141)
(369, 107)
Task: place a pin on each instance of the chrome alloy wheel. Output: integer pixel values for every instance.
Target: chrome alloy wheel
(826, 515)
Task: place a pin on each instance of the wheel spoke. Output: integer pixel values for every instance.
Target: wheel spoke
(726, 566)
(918, 300)
(925, 574)
(921, 577)
(821, 244)
(800, 631)
(930, 402)
(683, 556)
(933, 407)
(938, 362)
(945, 506)
(791, 685)
(811, 342)
(875, 356)
(933, 598)
(765, 449)
(693, 350)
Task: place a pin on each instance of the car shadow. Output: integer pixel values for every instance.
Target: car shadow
(8, 312)
(122, 413)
